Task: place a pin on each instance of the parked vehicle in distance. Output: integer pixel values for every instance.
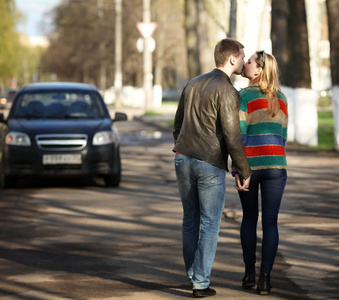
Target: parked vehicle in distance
(3, 102)
(59, 128)
(7, 99)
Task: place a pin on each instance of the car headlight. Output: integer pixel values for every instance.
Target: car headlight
(17, 139)
(103, 138)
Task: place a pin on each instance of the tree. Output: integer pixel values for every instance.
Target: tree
(30, 62)
(290, 46)
(74, 52)
(169, 56)
(279, 36)
(232, 32)
(333, 17)
(9, 41)
(290, 42)
(74, 43)
(192, 37)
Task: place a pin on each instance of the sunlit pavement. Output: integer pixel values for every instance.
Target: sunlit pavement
(308, 222)
(306, 267)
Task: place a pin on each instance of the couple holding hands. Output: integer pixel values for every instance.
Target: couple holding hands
(214, 121)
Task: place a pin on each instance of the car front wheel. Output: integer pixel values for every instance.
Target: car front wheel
(112, 180)
(8, 182)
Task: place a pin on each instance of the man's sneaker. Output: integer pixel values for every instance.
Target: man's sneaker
(204, 293)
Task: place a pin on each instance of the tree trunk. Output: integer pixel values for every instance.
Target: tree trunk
(204, 49)
(291, 49)
(191, 28)
(290, 42)
(118, 53)
(232, 32)
(333, 17)
(299, 63)
(279, 36)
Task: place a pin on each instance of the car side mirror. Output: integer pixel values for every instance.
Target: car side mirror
(2, 118)
(120, 117)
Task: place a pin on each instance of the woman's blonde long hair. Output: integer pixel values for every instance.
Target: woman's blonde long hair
(268, 80)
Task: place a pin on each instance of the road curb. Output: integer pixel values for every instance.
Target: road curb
(157, 124)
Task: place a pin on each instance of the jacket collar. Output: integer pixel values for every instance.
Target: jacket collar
(221, 73)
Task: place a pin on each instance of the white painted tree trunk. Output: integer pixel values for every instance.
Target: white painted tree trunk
(289, 93)
(335, 104)
(303, 116)
(157, 96)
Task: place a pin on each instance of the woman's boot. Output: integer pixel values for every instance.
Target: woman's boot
(264, 286)
(249, 279)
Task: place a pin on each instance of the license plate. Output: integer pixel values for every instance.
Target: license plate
(61, 159)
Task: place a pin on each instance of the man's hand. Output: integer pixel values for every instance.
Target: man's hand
(242, 187)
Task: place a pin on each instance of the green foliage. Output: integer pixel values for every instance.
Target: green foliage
(152, 113)
(30, 64)
(324, 101)
(170, 122)
(169, 103)
(16, 60)
(9, 41)
(325, 130)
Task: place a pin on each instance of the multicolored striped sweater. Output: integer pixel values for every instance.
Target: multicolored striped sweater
(264, 136)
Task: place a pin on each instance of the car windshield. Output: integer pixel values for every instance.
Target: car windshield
(58, 104)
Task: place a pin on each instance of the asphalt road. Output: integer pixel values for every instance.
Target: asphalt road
(76, 239)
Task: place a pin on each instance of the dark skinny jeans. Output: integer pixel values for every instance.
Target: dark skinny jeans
(272, 184)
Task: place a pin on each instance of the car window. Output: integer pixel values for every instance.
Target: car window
(59, 105)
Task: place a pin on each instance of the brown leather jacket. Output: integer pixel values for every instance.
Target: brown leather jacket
(206, 124)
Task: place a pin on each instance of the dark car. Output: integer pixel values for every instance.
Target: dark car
(59, 129)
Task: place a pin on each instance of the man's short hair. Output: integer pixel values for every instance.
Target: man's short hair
(225, 49)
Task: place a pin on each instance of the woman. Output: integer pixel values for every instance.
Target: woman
(263, 122)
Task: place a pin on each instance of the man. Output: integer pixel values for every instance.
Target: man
(206, 131)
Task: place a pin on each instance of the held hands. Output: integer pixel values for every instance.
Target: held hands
(242, 187)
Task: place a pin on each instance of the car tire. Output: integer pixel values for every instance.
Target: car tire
(113, 180)
(8, 182)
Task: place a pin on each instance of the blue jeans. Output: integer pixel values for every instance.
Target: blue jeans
(272, 184)
(202, 191)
